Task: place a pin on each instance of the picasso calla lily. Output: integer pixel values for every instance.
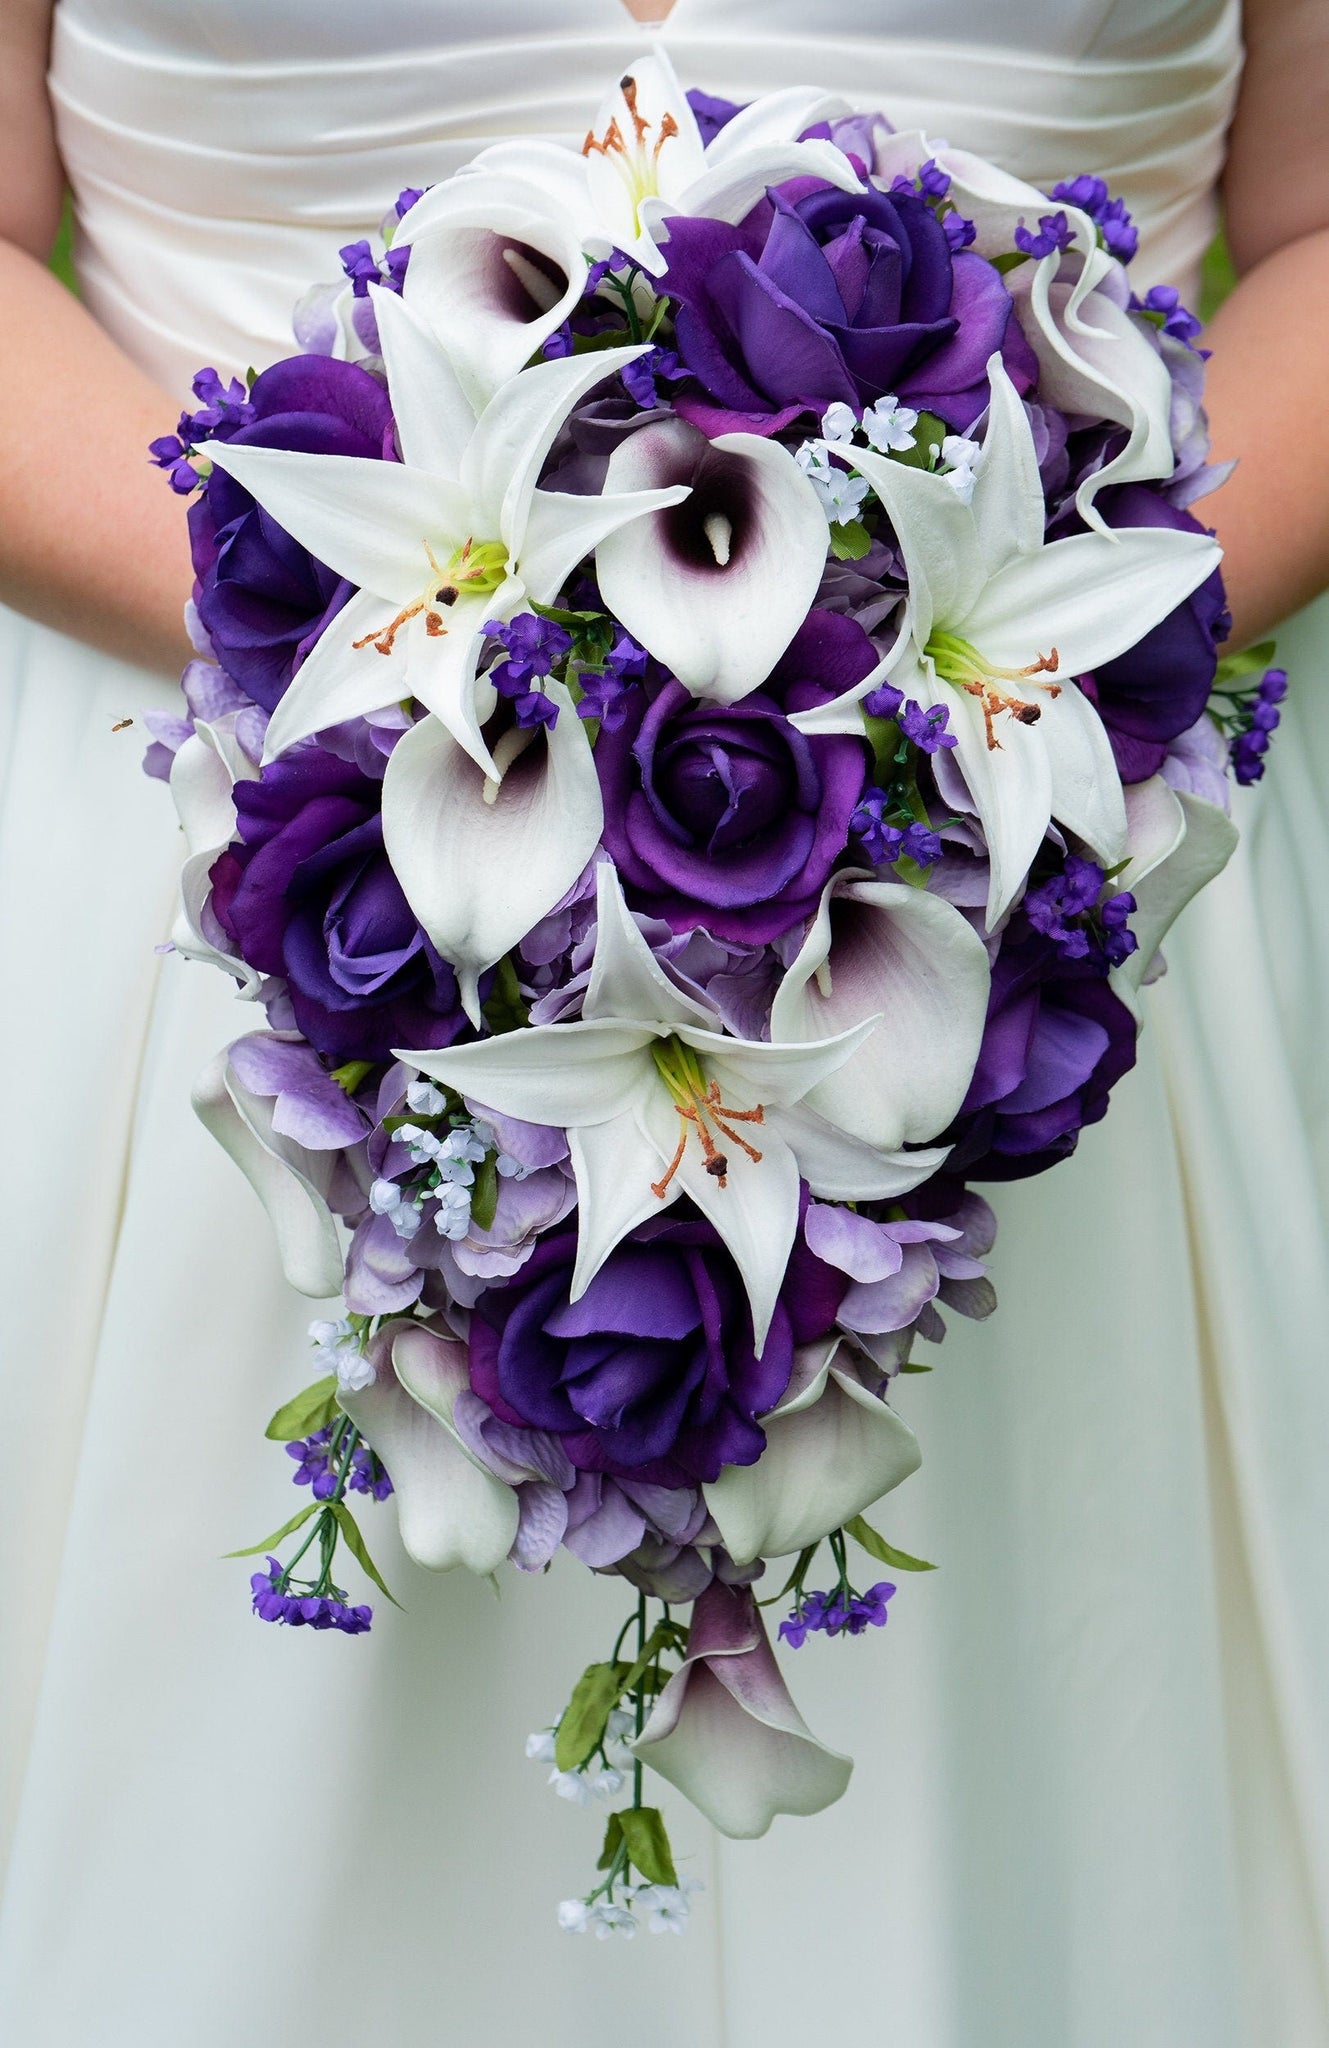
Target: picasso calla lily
(998, 623)
(454, 535)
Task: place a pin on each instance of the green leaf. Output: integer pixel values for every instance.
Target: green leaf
(648, 1843)
(1234, 666)
(851, 541)
(355, 1543)
(352, 1074)
(304, 1413)
(915, 1368)
(885, 1553)
(613, 1842)
(582, 1727)
(278, 1535)
(484, 1194)
(928, 437)
(505, 1010)
(1012, 260)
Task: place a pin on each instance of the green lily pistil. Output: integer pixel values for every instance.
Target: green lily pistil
(958, 662)
(701, 1110)
(475, 569)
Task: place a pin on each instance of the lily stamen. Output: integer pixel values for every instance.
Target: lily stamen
(700, 1105)
(484, 564)
(961, 665)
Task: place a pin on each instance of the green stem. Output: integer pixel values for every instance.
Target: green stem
(639, 1704)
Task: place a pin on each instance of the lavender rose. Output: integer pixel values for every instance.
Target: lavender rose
(725, 815)
(261, 596)
(651, 1375)
(821, 295)
(307, 892)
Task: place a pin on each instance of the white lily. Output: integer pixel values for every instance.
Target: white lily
(657, 1103)
(453, 535)
(997, 624)
(717, 587)
(1071, 304)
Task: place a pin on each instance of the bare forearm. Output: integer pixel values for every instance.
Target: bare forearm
(91, 539)
(1269, 407)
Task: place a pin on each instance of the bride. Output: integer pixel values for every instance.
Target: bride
(1092, 1799)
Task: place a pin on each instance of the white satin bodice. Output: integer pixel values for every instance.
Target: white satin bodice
(220, 154)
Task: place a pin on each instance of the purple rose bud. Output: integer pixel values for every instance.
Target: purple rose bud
(884, 701)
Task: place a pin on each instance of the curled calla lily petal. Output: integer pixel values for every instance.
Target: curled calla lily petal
(450, 1510)
(480, 862)
(880, 949)
(290, 1181)
(716, 586)
(203, 775)
(1203, 851)
(725, 1731)
(833, 1447)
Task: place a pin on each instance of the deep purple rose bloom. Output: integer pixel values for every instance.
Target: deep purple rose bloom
(260, 594)
(1056, 1043)
(725, 815)
(821, 295)
(307, 892)
(1157, 690)
(652, 1375)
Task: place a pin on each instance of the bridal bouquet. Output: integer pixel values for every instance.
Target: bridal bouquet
(707, 705)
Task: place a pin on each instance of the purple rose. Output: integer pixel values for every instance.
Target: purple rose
(1057, 1041)
(1158, 689)
(725, 815)
(262, 596)
(307, 892)
(651, 1375)
(822, 295)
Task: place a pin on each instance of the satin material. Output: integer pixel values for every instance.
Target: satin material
(1090, 1805)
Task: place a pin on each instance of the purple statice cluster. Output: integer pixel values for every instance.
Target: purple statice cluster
(1250, 722)
(274, 1600)
(1119, 234)
(221, 411)
(1071, 911)
(839, 1612)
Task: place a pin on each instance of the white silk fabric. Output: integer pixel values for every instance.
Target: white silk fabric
(1091, 1804)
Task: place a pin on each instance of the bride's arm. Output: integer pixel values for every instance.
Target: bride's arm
(91, 539)
(1269, 377)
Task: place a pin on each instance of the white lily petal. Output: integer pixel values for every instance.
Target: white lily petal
(880, 949)
(780, 1074)
(626, 978)
(1155, 828)
(337, 680)
(290, 1181)
(843, 714)
(1161, 895)
(644, 140)
(439, 669)
(435, 419)
(1086, 784)
(561, 528)
(716, 589)
(481, 866)
(614, 1191)
(1091, 596)
(832, 1449)
(842, 1168)
(449, 1510)
(367, 520)
(1007, 506)
(775, 117)
(564, 1074)
(1011, 786)
(731, 185)
(938, 539)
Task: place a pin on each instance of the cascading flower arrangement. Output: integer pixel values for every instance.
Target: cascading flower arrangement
(707, 703)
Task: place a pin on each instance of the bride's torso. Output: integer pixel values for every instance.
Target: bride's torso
(220, 154)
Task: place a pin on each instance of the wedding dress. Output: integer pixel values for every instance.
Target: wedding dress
(1091, 1806)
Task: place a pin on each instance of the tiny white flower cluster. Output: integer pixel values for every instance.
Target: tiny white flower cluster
(886, 426)
(666, 1907)
(452, 1159)
(338, 1348)
(959, 465)
(595, 1780)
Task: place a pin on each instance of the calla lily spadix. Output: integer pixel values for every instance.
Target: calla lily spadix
(641, 161)
(717, 586)
(997, 623)
(482, 862)
(657, 1103)
(453, 535)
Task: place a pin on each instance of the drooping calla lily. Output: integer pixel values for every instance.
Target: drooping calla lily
(482, 862)
(1072, 306)
(657, 1103)
(1179, 847)
(717, 586)
(642, 160)
(450, 1510)
(880, 949)
(833, 1447)
(725, 1731)
(204, 773)
(453, 535)
(996, 626)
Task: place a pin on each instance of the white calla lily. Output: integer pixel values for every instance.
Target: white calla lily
(642, 162)
(880, 949)
(1164, 888)
(717, 586)
(453, 535)
(203, 778)
(833, 1447)
(290, 1180)
(997, 624)
(657, 1103)
(481, 862)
